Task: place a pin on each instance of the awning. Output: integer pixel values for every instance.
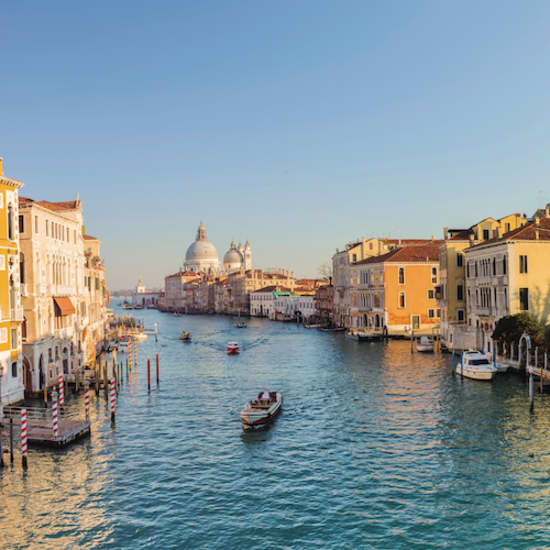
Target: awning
(63, 306)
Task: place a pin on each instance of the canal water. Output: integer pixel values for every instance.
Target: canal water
(376, 448)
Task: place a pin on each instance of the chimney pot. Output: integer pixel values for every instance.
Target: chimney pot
(537, 221)
(445, 233)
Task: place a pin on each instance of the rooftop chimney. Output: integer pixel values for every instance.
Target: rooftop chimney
(471, 235)
(445, 233)
(546, 210)
(537, 221)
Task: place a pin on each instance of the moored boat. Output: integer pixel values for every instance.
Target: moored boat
(476, 366)
(232, 348)
(261, 411)
(332, 329)
(424, 344)
(123, 344)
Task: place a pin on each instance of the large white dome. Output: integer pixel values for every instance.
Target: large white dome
(202, 255)
(201, 250)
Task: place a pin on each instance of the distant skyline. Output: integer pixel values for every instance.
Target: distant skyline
(299, 126)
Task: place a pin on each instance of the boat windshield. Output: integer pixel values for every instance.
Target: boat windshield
(479, 362)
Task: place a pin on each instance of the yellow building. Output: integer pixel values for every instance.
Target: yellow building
(508, 275)
(12, 381)
(451, 293)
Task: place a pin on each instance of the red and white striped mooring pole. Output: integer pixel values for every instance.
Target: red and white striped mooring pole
(54, 413)
(112, 400)
(24, 438)
(87, 402)
(61, 392)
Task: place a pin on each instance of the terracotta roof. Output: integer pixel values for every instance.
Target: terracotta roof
(406, 241)
(90, 238)
(61, 205)
(527, 232)
(412, 253)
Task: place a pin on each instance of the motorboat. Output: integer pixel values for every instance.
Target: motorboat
(475, 365)
(139, 336)
(232, 348)
(332, 329)
(262, 410)
(185, 336)
(362, 336)
(424, 344)
(240, 324)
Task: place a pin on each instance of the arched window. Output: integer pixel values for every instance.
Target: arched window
(14, 369)
(22, 268)
(10, 223)
(13, 297)
(401, 275)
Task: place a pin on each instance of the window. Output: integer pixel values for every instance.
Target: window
(459, 292)
(10, 222)
(438, 311)
(523, 264)
(475, 265)
(22, 268)
(14, 369)
(460, 315)
(459, 259)
(504, 265)
(431, 313)
(13, 338)
(434, 274)
(468, 269)
(485, 234)
(494, 266)
(401, 299)
(47, 229)
(524, 299)
(507, 228)
(21, 224)
(506, 298)
(430, 294)
(50, 358)
(401, 275)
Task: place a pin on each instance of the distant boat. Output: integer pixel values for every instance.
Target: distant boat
(476, 366)
(425, 344)
(185, 336)
(363, 336)
(332, 329)
(259, 412)
(232, 348)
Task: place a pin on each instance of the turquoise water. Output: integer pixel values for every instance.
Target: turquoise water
(375, 448)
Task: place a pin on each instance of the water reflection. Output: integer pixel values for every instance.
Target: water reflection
(376, 447)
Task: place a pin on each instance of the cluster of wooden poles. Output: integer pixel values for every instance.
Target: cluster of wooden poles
(112, 389)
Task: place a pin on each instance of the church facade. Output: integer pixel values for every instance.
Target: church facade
(202, 256)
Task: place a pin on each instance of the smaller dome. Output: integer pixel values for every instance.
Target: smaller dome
(232, 256)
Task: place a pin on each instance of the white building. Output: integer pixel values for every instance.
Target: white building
(262, 301)
(145, 298)
(202, 256)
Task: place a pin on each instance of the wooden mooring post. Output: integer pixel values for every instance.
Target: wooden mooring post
(11, 440)
(412, 340)
(531, 392)
(158, 377)
(149, 375)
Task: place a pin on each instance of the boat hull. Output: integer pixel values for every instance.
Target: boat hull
(485, 376)
(425, 348)
(257, 419)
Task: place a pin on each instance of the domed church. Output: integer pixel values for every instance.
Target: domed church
(202, 256)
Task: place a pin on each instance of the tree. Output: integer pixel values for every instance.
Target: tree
(325, 270)
(510, 328)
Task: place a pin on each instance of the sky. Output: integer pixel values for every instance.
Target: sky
(299, 126)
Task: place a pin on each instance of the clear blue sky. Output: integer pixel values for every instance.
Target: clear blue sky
(296, 125)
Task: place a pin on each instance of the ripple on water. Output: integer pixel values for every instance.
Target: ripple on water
(375, 448)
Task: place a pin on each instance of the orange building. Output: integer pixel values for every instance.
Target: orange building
(396, 291)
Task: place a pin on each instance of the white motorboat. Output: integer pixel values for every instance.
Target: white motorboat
(425, 344)
(475, 365)
(262, 410)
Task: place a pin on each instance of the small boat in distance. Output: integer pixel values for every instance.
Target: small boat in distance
(476, 366)
(232, 348)
(185, 336)
(332, 329)
(123, 344)
(424, 344)
(261, 411)
(240, 324)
